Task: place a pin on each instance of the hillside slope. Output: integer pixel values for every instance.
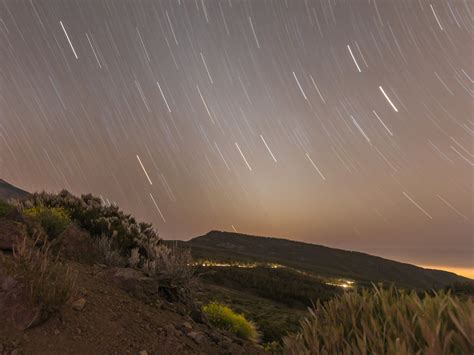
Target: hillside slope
(317, 259)
(8, 191)
(113, 321)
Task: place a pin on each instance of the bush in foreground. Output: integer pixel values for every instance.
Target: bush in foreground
(225, 318)
(386, 321)
(49, 282)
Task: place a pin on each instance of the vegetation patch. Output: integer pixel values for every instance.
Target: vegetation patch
(274, 320)
(223, 317)
(386, 321)
(96, 217)
(54, 220)
(300, 290)
(5, 208)
(49, 282)
(118, 236)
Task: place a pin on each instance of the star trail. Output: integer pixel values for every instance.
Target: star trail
(345, 123)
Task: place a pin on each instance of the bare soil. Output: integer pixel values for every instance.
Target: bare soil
(115, 322)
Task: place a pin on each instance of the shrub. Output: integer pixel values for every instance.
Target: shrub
(386, 321)
(120, 238)
(50, 284)
(54, 220)
(166, 262)
(5, 208)
(98, 218)
(111, 255)
(171, 267)
(223, 317)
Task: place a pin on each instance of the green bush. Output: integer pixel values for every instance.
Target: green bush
(225, 318)
(5, 208)
(387, 321)
(54, 220)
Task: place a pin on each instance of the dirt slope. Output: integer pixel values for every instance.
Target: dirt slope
(113, 318)
(114, 322)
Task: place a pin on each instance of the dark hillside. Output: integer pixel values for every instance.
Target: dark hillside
(317, 259)
(8, 191)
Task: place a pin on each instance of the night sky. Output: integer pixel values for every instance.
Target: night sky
(344, 123)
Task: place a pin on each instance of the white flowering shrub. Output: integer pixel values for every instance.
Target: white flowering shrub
(111, 254)
(160, 261)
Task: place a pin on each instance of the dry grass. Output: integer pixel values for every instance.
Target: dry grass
(173, 263)
(49, 282)
(387, 321)
(111, 254)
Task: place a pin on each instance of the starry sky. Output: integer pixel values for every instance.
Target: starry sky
(345, 123)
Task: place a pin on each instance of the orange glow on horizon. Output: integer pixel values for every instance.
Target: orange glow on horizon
(462, 271)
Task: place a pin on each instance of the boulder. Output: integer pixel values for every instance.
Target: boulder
(79, 304)
(197, 337)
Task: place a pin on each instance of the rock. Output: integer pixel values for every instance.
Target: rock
(143, 352)
(56, 332)
(198, 337)
(79, 304)
(187, 325)
(14, 352)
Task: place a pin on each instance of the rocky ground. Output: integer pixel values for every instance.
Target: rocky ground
(113, 311)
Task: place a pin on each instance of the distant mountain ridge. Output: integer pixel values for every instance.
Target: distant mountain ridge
(8, 191)
(314, 258)
(318, 259)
